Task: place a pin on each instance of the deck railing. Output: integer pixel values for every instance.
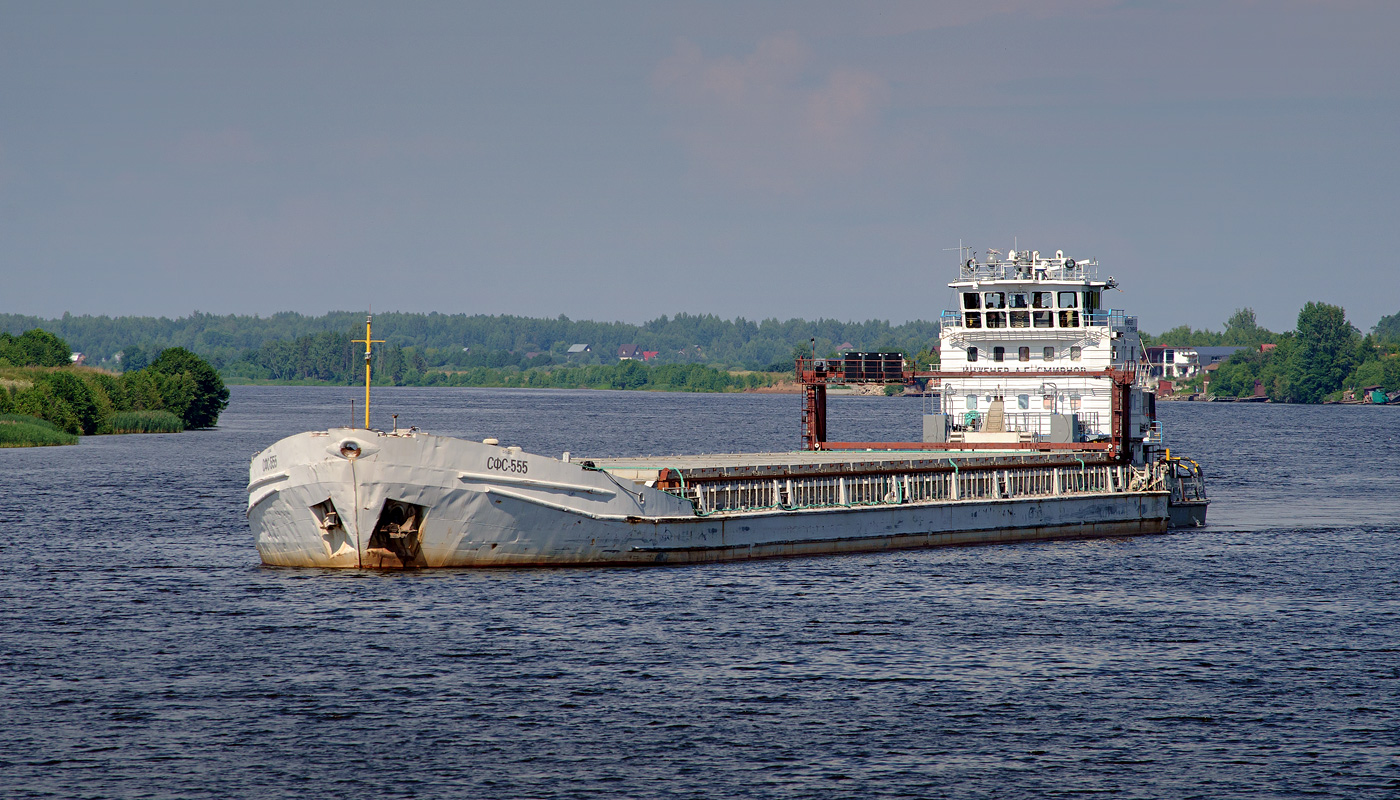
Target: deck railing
(791, 494)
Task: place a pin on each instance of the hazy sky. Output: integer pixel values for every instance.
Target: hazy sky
(611, 160)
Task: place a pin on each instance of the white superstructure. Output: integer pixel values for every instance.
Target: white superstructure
(1024, 313)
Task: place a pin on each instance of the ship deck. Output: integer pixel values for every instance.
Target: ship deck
(717, 466)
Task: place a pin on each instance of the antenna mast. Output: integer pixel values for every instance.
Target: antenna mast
(368, 340)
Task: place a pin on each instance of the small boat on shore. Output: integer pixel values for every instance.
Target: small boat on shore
(1043, 431)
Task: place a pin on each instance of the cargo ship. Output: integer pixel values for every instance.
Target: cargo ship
(1042, 431)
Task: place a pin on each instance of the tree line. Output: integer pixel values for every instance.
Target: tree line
(335, 358)
(1324, 354)
(469, 341)
(36, 382)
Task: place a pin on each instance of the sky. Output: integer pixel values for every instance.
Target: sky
(620, 161)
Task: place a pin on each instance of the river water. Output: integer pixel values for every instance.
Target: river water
(144, 652)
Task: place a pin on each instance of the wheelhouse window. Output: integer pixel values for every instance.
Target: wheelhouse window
(1023, 354)
(1093, 314)
(972, 300)
(1074, 402)
(995, 299)
(1069, 299)
(998, 353)
(1069, 319)
(1023, 401)
(1043, 319)
(1049, 354)
(972, 319)
(996, 319)
(1018, 300)
(971, 354)
(1020, 319)
(1075, 353)
(1042, 299)
(972, 402)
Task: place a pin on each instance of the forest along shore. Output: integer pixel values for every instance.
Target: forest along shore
(48, 398)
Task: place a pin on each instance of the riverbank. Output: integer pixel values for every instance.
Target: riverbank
(22, 430)
(626, 375)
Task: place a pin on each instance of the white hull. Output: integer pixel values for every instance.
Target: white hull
(466, 504)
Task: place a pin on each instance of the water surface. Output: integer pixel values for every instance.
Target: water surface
(144, 652)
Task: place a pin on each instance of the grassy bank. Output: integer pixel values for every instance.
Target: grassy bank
(22, 430)
(145, 422)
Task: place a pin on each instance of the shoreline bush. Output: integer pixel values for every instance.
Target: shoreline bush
(145, 422)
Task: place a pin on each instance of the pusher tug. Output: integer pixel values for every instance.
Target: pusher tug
(1043, 432)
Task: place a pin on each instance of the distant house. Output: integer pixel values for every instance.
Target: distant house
(1216, 355)
(575, 349)
(844, 346)
(77, 358)
(628, 352)
(648, 355)
(1173, 362)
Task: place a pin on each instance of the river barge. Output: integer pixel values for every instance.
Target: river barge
(1059, 441)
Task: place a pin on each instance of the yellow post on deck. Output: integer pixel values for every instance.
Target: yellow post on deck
(368, 341)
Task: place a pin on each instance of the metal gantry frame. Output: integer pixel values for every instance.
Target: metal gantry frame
(816, 374)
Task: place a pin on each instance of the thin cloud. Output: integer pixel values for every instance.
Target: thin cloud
(771, 121)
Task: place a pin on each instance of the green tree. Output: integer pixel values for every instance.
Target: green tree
(209, 395)
(134, 358)
(1388, 329)
(1326, 350)
(34, 348)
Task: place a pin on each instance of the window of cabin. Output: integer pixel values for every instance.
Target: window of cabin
(1042, 299)
(1049, 354)
(972, 319)
(972, 300)
(1020, 319)
(1073, 403)
(1069, 299)
(1075, 353)
(1092, 314)
(1018, 300)
(996, 319)
(1023, 401)
(995, 299)
(972, 402)
(1069, 319)
(1024, 354)
(1043, 319)
(1047, 402)
(998, 353)
(971, 354)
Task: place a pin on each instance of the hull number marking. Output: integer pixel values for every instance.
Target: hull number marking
(270, 462)
(517, 466)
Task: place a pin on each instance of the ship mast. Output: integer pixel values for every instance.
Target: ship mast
(368, 340)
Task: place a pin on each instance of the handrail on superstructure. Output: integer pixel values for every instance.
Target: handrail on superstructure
(816, 374)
